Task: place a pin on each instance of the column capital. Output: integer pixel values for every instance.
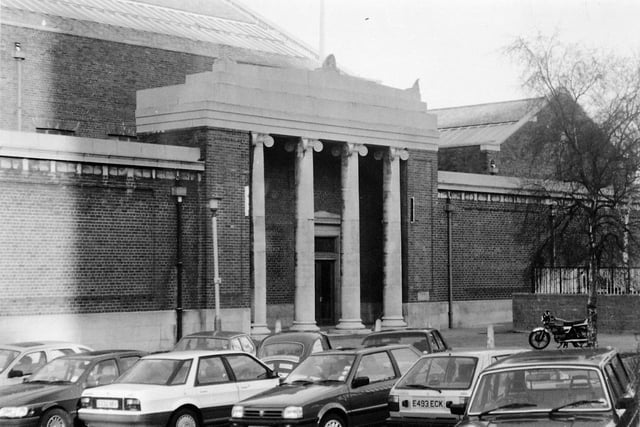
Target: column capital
(352, 147)
(400, 153)
(306, 144)
(262, 138)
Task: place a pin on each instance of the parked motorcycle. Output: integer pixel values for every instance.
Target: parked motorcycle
(564, 332)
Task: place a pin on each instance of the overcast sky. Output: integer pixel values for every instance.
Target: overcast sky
(455, 47)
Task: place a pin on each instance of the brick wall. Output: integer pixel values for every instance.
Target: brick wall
(616, 313)
(87, 242)
(463, 159)
(491, 248)
(83, 80)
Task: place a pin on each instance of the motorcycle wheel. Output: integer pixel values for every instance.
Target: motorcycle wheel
(539, 339)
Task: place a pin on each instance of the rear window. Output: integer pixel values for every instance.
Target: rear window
(447, 372)
(281, 349)
(202, 343)
(418, 340)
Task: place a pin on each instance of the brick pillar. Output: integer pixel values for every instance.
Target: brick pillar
(259, 325)
(392, 281)
(350, 279)
(305, 292)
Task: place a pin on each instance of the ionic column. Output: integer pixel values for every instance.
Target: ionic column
(259, 326)
(305, 293)
(392, 281)
(350, 231)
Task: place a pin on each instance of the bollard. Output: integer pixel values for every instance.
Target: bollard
(378, 326)
(491, 343)
(278, 327)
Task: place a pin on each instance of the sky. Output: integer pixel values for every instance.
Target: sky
(454, 47)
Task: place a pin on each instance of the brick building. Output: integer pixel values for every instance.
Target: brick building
(123, 120)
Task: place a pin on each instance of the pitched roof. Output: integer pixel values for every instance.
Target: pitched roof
(221, 22)
(484, 124)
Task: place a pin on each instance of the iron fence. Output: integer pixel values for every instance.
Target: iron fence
(575, 280)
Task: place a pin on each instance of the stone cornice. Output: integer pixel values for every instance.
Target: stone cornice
(29, 145)
(320, 104)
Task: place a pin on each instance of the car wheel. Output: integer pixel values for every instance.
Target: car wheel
(332, 420)
(55, 418)
(184, 418)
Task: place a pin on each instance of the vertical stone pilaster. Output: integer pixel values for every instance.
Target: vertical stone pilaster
(305, 292)
(392, 282)
(350, 279)
(259, 325)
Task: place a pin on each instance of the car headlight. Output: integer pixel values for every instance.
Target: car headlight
(85, 402)
(237, 411)
(15, 412)
(132, 404)
(292, 412)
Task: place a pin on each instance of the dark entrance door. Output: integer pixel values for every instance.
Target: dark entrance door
(325, 292)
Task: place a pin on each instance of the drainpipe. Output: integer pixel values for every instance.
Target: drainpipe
(179, 193)
(19, 56)
(449, 209)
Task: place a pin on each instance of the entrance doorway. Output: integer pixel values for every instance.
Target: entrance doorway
(325, 292)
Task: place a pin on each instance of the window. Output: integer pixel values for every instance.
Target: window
(247, 344)
(317, 346)
(376, 366)
(235, 344)
(404, 358)
(211, 370)
(104, 372)
(31, 362)
(59, 352)
(127, 362)
(246, 368)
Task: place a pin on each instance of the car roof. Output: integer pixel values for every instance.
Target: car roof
(406, 331)
(367, 350)
(30, 345)
(300, 336)
(581, 357)
(190, 354)
(214, 334)
(90, 355)
(474, 352)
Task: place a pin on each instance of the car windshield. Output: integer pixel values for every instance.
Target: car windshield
(322, 367)
(157, 371)
(295, 349)
(60, 370)
(6, 357)
(440, 372)
(202, 343)
(544, 388)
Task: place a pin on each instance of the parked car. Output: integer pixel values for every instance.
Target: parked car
(335, 388)
(420, 397)
(283, 351)
(217, 340)
(426, 340)
(179, 388)
(50, 397)
(21, 359)
(589, 387)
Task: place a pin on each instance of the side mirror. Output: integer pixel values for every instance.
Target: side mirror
(457, 408)
(15, 373)
(359, 382)
(624, 402)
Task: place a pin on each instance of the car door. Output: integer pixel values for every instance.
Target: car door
(621, 385)
(215, 391)
(251, 376)
(368, 403)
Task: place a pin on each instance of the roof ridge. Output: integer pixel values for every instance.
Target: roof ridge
(477, 125)
(539, 98)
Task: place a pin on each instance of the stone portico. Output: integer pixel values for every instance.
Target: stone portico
(307, 112)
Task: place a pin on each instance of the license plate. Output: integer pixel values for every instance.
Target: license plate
(107, 403)
(436, 405)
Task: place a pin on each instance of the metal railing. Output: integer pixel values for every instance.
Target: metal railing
(575, 280)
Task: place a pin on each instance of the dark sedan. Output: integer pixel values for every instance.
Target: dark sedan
(283, 351)
(51, 395)
(427, 340)
(334, 388)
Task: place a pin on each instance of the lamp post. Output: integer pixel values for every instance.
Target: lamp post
(214, 204)
(19, 56)
(179, 193)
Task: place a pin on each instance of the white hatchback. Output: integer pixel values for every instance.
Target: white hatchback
(186, 388)
(19, 360)
(423, 394)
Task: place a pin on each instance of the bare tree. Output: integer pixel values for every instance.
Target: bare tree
(592, 140)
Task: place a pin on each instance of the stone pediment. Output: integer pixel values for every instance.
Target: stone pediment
(318, 104)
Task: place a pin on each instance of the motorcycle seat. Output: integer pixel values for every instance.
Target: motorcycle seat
(571, 322)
